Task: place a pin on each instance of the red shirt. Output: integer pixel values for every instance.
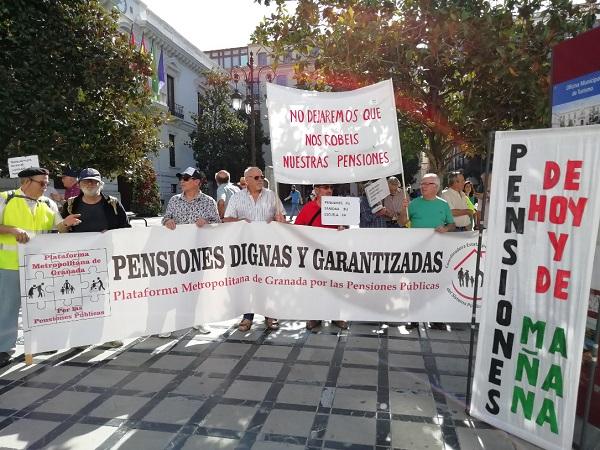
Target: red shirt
(73, 191)
(308, 212)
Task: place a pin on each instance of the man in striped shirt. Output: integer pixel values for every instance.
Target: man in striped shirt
(254, 204)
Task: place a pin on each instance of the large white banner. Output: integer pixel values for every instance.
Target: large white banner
(87, 288)
(333, 137)
(542, 230)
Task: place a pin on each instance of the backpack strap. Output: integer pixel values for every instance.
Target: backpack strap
(70, 202)
(317, 214)
(13, 194)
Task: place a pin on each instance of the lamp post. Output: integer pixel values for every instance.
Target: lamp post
(252, 100)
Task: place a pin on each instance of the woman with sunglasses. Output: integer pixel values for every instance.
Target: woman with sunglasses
(310, 215)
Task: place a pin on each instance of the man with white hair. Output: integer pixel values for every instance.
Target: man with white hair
(254, 204)
(225, 189)
(430, 211)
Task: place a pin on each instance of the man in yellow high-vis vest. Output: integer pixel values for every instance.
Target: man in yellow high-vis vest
(23, 213)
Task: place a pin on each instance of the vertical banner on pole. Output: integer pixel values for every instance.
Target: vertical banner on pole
(543, 223)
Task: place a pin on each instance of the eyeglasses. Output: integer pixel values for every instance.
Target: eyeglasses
(325, 186)
(41, 183)
(258, 177)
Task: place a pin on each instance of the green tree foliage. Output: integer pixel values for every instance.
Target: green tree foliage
(72, 88)
(145, 199)
(221, 138)
(460, 68)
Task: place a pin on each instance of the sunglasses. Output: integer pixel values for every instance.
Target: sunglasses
(258, 177)
(41, 183)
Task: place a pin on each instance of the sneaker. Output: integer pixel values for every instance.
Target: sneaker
(4, 359)
(201, 329)
(437, 326)
(310, 324)
(113, 344)
(165, 335)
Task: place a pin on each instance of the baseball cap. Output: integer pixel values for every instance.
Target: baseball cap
(89, 174)
(192, 172)
(69, 172)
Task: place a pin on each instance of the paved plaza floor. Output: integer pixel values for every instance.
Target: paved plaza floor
(372, 386)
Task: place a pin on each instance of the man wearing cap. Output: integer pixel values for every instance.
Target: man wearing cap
(310, 215)
(254, 204)
(23, 213)
(98, 211)
(225, 189)
(393, 204)
(296, 201)
(191, 206)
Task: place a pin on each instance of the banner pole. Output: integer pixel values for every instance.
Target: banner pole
(590, 388)
(489, 149)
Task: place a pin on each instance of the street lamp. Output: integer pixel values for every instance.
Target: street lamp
(252, 100)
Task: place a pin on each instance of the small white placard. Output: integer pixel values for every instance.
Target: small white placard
(377, 191)
(15, 165)
(340, 210)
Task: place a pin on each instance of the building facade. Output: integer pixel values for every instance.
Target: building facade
(184, 66)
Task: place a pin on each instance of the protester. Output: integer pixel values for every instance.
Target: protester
(242, 183)
(470, 192)
(23, 212)
(296, 198)
(370, 219)
(310, 215)
(97, 212)
(254, 204)
(191, 206)
(484, 198)
(458, 201)
(225, 189)
(430, 211)
(393, 204)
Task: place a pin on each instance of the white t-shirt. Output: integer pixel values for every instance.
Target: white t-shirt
(242, 206)
(457, 200)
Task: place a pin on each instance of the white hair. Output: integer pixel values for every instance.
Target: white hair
(433, 176)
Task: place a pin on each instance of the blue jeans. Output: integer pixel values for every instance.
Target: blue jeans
(294, 210)
(10, 302)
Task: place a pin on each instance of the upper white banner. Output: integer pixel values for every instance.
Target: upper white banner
(134, 282)
(333, 137)
(543, 223)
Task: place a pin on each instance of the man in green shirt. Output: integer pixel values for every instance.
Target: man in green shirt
(430, 211)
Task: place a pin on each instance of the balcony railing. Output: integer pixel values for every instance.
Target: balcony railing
(176, 110)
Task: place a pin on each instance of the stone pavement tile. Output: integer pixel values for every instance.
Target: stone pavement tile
(322, 340)
(362, 342)
(217, 365)
(443, 335)
(361, 357)
(150, 343)
(350, 430)
(285, 337)
(20, 397)
(399, 330)
(249, 336)
(119, 407)
(67, 402)
(262, 369)
(411, 381)
(372, 328)
(273, 351)
(316, 354)
(456, 406)
(417, 436)
(22, 433)
(407, 403)
(265, 445)
(209, 442)
(143, 440)
(406, 361)
(149, 382)
(229, 417)
(173, 362)
(247, 390)
(176, 410)
(355, 399)
(404, 345)
(308, 373)
(350, 376)
(134, 359)
(449, 348)
(192, 346)
(299, 394)
(201, 386)
(230, 348)
(57, 374)
(17, 371)
(92, 355)
(486, 439)
(80, 436)
(454, 384)
(458, 365)
(289, 423)
(103, 378)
